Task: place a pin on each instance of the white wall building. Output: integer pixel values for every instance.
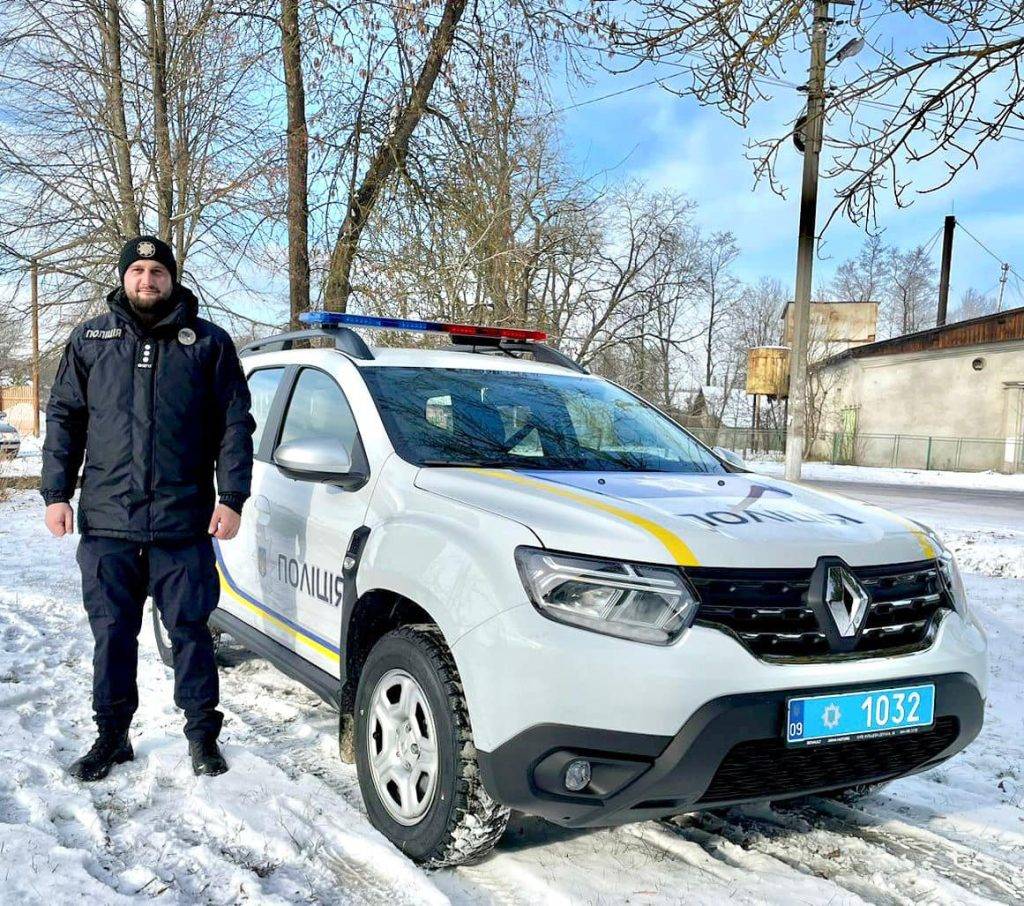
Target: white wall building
(948, 397)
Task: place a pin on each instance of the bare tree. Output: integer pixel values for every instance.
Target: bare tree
(389, 157)
(298, 162)
(12, 336)
(721, 290)
(123, 120)
(113, 117)
(866, 276)
(156, 26)
(756, 317)
(973, 304)
(953, 83)
(911, 299)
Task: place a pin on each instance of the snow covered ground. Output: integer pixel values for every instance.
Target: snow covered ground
(286, 825)
(29, 460)
(823, 471)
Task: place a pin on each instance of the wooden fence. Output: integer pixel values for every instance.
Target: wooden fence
(17, 403)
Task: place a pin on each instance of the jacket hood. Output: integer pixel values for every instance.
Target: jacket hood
(183, 311)
(734, 520)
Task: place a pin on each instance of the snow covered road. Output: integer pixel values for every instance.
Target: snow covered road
(285, 825)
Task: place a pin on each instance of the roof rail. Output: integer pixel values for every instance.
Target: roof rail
(345, 340)
(539, 351)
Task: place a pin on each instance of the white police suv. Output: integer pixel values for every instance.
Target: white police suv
(526, 588)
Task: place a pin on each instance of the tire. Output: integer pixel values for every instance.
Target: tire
(163, 641)
(441, 815)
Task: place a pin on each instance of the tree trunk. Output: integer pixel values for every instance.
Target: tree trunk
(389, 157)
(157, 28)
(298, 163)
(709, 345)
(118, 126)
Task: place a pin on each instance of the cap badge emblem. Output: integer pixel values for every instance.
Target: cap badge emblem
(186, 336)
(146, 249)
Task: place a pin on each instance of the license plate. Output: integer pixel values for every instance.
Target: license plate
(821, 719)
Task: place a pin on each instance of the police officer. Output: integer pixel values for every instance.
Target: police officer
(155, 400)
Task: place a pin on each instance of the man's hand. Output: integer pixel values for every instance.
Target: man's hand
(60, 519)
(224, 522)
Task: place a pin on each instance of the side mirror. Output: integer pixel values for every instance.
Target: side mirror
(734, 459)
(318, 459)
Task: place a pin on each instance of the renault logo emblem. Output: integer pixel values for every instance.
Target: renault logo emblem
(840, 603)
(847, 601)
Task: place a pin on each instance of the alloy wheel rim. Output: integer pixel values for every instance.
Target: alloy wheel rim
(401, 743)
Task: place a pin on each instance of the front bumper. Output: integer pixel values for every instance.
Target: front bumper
(731, 750)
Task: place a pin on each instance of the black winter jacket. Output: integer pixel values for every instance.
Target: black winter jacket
(153, 412)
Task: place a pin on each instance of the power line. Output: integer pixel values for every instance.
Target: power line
(960, 224)
(605, 97)
(931, 242)
(758, 80)
(1001, 261)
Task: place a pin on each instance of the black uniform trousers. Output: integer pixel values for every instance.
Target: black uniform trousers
(181, 577)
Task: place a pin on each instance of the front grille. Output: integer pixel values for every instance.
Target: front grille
(769, 613)
(767, 768)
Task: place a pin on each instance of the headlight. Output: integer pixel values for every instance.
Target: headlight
(949, 570)
(954, 581)
(652, 604)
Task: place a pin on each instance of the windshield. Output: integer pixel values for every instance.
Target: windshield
(519, 420)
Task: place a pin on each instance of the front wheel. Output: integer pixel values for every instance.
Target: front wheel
(414, 752)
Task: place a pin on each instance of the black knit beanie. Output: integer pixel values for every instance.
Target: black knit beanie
(147, 247)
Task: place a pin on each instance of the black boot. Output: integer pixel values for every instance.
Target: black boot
(206, 757)
(111, 747)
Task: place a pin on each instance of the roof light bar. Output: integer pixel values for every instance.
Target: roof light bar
(338, 319)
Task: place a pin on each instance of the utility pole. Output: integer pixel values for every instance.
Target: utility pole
(947, 263)
(797, 417)
(1005, 267)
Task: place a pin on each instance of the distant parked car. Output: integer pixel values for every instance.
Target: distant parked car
(10, 441)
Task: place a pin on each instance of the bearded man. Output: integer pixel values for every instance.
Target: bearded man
(154, 399)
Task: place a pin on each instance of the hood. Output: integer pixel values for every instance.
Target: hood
(183, 311)
(734, 520)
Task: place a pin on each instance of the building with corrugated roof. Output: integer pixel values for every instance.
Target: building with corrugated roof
(959, 389)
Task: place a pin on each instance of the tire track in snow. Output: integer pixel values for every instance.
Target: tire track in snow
(996, 878)
(915, 819)
(293, 746)
(877, 863)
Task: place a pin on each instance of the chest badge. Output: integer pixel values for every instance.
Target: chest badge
(186, 336)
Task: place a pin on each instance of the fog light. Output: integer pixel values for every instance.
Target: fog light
(577, 775)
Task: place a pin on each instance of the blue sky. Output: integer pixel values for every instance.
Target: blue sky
(671, 142)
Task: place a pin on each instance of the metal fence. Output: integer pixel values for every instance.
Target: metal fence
(903, 451)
